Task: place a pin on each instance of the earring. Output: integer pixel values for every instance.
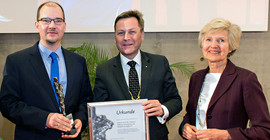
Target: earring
(202, 58)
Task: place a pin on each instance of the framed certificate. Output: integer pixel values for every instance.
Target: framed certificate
(118, 120)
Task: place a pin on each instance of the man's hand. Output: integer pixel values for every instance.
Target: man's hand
(152, 108)
(78, 127)
(58, 121)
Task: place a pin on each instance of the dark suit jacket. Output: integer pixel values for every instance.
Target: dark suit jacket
(157, 82)
(237, 98)
(27, 96)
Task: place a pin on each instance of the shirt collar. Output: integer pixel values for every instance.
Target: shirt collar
(137, 59)
(46, 52)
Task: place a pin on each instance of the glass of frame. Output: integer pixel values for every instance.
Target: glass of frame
(118, 120)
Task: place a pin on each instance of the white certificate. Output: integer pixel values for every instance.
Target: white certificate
(118, 120)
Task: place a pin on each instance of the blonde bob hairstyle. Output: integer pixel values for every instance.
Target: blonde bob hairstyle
(220, 24)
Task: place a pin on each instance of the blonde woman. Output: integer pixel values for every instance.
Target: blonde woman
(223, 97)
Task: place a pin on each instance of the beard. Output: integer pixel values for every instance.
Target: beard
(52, 40)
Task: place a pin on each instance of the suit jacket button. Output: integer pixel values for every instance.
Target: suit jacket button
(209, 117)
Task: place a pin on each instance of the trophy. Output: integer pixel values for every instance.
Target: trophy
(59, 91)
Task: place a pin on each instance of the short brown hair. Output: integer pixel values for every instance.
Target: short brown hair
(131, 13)
(52, 4)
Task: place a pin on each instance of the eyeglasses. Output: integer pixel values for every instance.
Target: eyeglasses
(47, 21)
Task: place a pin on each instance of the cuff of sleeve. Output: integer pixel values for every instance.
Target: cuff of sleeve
(162, 119)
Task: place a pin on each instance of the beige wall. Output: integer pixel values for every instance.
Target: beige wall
(253, 54)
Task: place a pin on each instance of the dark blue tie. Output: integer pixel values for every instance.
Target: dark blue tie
(54, 72)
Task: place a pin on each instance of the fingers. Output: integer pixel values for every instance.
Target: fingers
(193, 128)
(189, 131)
(78, 126)
(201, 134)
(152, 108)
(58, 121)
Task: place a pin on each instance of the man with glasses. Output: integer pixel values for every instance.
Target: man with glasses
(28, 97)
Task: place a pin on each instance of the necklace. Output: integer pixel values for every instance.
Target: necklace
(138, 97)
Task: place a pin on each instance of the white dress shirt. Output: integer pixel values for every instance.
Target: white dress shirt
(208, 88)
(138, 68)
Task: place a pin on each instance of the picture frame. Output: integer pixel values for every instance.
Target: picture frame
(115, 120)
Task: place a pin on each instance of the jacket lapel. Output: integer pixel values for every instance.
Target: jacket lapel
(145, 74)
(226, 80)
(119, 76)
(70, 68)
(39, 68)
(197, 89)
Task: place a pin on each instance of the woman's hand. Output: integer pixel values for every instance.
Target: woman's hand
(189, 131)
(213, 134)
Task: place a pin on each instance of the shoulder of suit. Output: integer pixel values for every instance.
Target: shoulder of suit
(110, 62)
(24, 52)
(243, 71)
(199, 73)
(233, 69)
(151, 55)
(72, 54)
